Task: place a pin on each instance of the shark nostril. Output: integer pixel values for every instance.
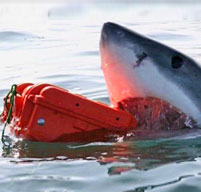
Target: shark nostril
(177, 62)
(120, 33)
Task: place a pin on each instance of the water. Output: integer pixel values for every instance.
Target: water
(58, 44)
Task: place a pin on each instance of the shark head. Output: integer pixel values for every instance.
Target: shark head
(136, 66)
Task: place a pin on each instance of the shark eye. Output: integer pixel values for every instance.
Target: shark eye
(177, 62)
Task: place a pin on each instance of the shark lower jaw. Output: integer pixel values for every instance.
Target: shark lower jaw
(156, 114)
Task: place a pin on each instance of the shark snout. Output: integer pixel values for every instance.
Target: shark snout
(112, 32)
(109, 28)
(107, 32)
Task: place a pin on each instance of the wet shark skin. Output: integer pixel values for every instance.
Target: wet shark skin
(136, 66)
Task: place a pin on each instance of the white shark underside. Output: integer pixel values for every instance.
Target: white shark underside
(138, 67)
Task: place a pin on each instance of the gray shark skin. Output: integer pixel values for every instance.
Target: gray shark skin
(136, 66)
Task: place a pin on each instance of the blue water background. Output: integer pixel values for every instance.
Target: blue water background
(58, 43)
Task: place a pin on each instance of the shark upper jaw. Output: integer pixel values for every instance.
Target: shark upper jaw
(135, 66)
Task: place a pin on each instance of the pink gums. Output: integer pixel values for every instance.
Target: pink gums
(156, 114)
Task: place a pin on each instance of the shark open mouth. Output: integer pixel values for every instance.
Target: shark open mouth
(156, 114)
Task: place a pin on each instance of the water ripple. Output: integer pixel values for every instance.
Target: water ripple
(16, 36)
(59, 45)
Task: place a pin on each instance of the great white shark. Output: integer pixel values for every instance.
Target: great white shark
(141, 71)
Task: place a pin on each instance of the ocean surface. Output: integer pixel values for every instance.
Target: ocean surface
(59, 44)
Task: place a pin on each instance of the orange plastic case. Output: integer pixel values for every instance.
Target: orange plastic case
(48, 113)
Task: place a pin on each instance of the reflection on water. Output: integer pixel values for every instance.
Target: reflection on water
(143, 154)
(59, 44)
(137, 163)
